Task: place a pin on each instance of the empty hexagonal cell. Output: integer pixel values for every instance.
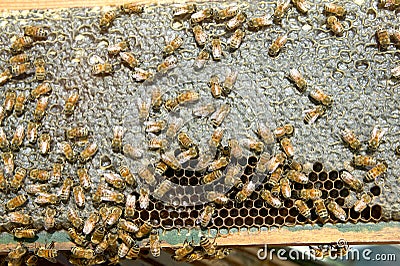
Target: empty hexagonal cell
(167, 223)
(242, 161)
(223, 213)
(323, 176)
(189, 222)
(376, 212)
(180, 173)
(366, 214)
(317, 167)
(333, 175)
(325, 194)
(249, 221)
(194, 181)
(154, 215)
(243, 212)
(338, 184)
(183, 181)
(259, 220)
(238, 221)
(375, 190)
(144, 215)
(289, 220)
(333, 193)
(258, 203)
(273, 212)
(178, 223)
(253, 212)
(228, 221)
(328, 184)
(263, 212)
(248, 170)
(312, 176)
(344, 192)
(288, 203)
(194, 214)
(293, 212)
(218, 221)
(269, 220)
(233, 213)
(283, 212)
(340, 201)
(279, 220)
(249, 203)
(252, 161)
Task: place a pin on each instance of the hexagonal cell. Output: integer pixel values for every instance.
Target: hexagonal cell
(249, 221)
(258, 220)
(228, 221)
(366, 214)
(273, 212)
(328, 185)
(223, 213)
(178, 223)
(344, 192)
(279, 220)
(239, 221)
(263, 212)
(269, 220)
(375, 190)
(333, 193)
(283, 212)
(317, 167)
(253, 212)
(376, 212)
(312, 176)
(218, 221)
(323, 176)
(340, 201)
(289, 220)
(252, 161)
(233, 213)
(333, 175)
(243, 212)
(338, 184)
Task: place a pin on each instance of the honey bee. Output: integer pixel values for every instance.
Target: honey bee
(126, 174)
(188, 97)
(200, 35)
(219, 116)
(168, 63)
(128, 226)
(217, 197)
(210, 177)
(396, 37)
(310, 194)
(114, 180)
(65, 189)
(170, 159)
(298, 79)
(108, 240)
(259, 22)
(155, 244)
(163, 188)
(31, 132)
(216, 137)
(90, 223)
(77, 133)
(205, 216)
(88, 152)
(216, 48)
(335, 25)
(42, 89)
(40, 110)
(18, 70)
(3, 181)
(200, 60)
(20, 218)
(236, 39)
(19, 106)
(336, 210)
(183, 251)
(24, 233)
(395, 72)
(79, 252)
(351, 139)
(39, 174)
(130, 8)
(287, 147)
(156, 99)
(71, 102)
(228, 12)
(363, 201)
(125, 238)
(144, 230)
(350, 180)
(184, 140)
(161, 168)
(376, 172)
(98, 235)
(47, 252)
(141, 75)
(5, 76)
(229, 82)
(376, 137)
(123, 249)
(17, 138)
(144, 199)
(79, 196)
(74, 218)
(102, 69)
(76, 238)
(320, 97)
(115, 49)
(130, 205)
(46, 198)
(40, 70)
(155, 126)
(253, 145)
(173, 45)
(313, 114)
(271, 200)
(133, 252)
(171, 104)
(235, 148)
(282, 7)
(9, 101)
(218, 164)
(106, 19)
(44, 143)
(84, 178)
(337, 10)
(216, 88)
(49, 220)
(297, 177)
(201, 15)
(320, 209)
(36, 32)
(36, 188)
(145, 173)
(365, 161)
(114, 216)
(285, 187)
(116, 144)
(21, 43)
(132, 152)
(8, 160)
(19, 59)
(187, 155)
(18, 179)
(246, 191)
(16, 254)
(275, 162)
(236, 21)
(275, 177)
(303, 209)
(232, 177)
(302, 5)
(183, 10)
(129, 59)
(277, 45)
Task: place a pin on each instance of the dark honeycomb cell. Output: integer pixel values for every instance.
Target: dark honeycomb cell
(340, 201)
(312, 176)
(279, 220)
(233, 212)
(228, 221)
(194, 181)
(263, 212)
(333, 175)
(253, 212)
(325, 194)
(333, 193)
(290, 220)
(239, 221)
(167, 223)
(269, 220)
(366, 214)
(223, 213)
(258, 203)
(338, 184)
(249, 221)
(323, 176)
(144, 215)
(189, 222)
(252, 161)
(242, 161)
(258, 220)
(178, 223)
(297, 186)
(375, 190)
(317, 167)
(344, 192)
(283, 212)
(244, 212)
(328, 185)
(293, 212)
(180, 173)
(376, 212)
(273, 212)
(218, 221)
(308, 186)
(288, 203)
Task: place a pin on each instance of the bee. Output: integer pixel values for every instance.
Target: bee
(44, 143)
(310, 194)
(297, 177)
(49, 220)
(350, 180)
(19, 106)
(8, 160)
(168, 63)
(141, 75)
(188, 97)
(123, 249)
(209, 248)
(20, 218)
(39, 174)
(277, 45)
(170, 159)
(275, 162)
(396, 37)
(42, 89)
(365, 161)
(18, 70)
(183, 10)
(41, 107)
(162, 189)
(77, 133)
(276, 190)
(98, 235)
(18, 179)
(313, 114)
(171, 104)
(236, 21)
(79, 196)
(200, 35)
(114, 180)
(90, 223)
(229, 82)
(302, 5)
(173, 45)
(71, 103)
(216, 88)
(319, 96)
(36, 32)
(144, 230)
(74, 218)
(114, 216)
(200, 60)
(376, 137)
(228, 12)
(84, 178)
(130, 8)
(155, 244)
(336, 210)
(259, 22)
(298, 79)
(236, 39)
(201, 15)
(235, 148)
(287, 147)
(145, 173)
(303, 209)
(76, 238)
(40, 70)
(285, 187)
(130, 205)
(21, 43)
(282, 7)
(106, 19)
(155, 126)
(9, 101)
(65, 189)
(395, 72)
(351, 139)
(363, 200)
(183, 251)
(173, 127)
(102, 69)
(161, 168)
(275, 177)
(36, 188)
(205, 216)
(19, 59)
(88, 152)
(184, 140)
(133, 252)
(156, 99)
(125, 238)
(335, 25)
(210, 177)
(47, 252)
(31, 132)
(16, 254)
(128, 176)
(389, 4)
(3, 181)
(271, 200)
(132, 152)
(253, 145)
(217, 197)
(246, 191)
(219, 116)
(79, 252)
(232, 176)
(46, 198)
(376, 172)
(115, 49)
(144, 199)
(320, 209)
(5, 76)
(216, 137)
(116, 144)
(128, 226)
(337, 10)
(108, 241)
(216, 48)
(129, 59)
(17, 138)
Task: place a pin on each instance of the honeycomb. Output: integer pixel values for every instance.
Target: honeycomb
(352, 69)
